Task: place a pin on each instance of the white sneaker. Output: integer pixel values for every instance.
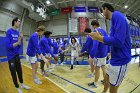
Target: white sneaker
(57, 64)
(37, 81)
(61, 64)
(90, 75)
(54, 66)
(45, 74)
(38, 78)
(19, 91)
(25, 87)
(49, 70)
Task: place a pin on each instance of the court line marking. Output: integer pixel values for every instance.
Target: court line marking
(48, 79)
(64, 80)
(134, 88)
(73, 83)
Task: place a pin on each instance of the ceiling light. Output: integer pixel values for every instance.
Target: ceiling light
(125, 6)
(48, 2)
(38, 9)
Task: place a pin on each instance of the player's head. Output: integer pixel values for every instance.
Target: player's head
(73, 40)
(47, 34)
(57, 39)
(87, 30)
(41, 30)
(107, 9)
(95, 24)
(16, 22)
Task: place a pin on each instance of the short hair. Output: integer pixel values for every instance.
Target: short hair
(108, 6)
(95, 23)
(87, 30)
(14, 20)
(57, 38)
(47, 33)
(74, 39)
(41, 28)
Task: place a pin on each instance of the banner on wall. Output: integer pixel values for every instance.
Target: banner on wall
(93, 9)
(79, 9)
(73, 25)
(83, 23)
(66, 10)
(55, 12)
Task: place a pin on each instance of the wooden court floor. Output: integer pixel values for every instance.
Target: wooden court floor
(7, 86)
(79, 74)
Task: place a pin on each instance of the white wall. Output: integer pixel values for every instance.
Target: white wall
(57, 25)
(5, 20)
(29, 26)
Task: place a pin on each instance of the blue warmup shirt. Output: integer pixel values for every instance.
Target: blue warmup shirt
(50, 42)
(55, 49)
(88, 46)
(119, 40)
(100, 50)
(33, 46)
(44, 46)
(11, 38)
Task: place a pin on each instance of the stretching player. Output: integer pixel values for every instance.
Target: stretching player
(88, 47)
(33, 51)
(45, 48)
(56, 49)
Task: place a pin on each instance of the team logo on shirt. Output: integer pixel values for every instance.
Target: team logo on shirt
(15, 37)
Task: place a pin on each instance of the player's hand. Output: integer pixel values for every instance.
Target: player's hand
(63, 51)
(21, 35)
(45, 60)
(55, 58)
(19, 41)
(94, 35)
(109, 56)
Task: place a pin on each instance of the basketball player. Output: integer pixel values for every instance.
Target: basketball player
(33, 51)
(45, 48)
(99, 53)
(88, 47)
(56, 49)
(75, 48)
(13, 43)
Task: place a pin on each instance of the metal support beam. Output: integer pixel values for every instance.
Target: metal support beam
(134, 10)
(44, 6)
(117, 4)
(86, 3)
(134, 4)
(60, 2)
(22, 19)
(54, 3)
(65, 3)
(75, 1)
(126, 2)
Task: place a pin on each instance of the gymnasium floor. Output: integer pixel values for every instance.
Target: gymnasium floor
(66, 80)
